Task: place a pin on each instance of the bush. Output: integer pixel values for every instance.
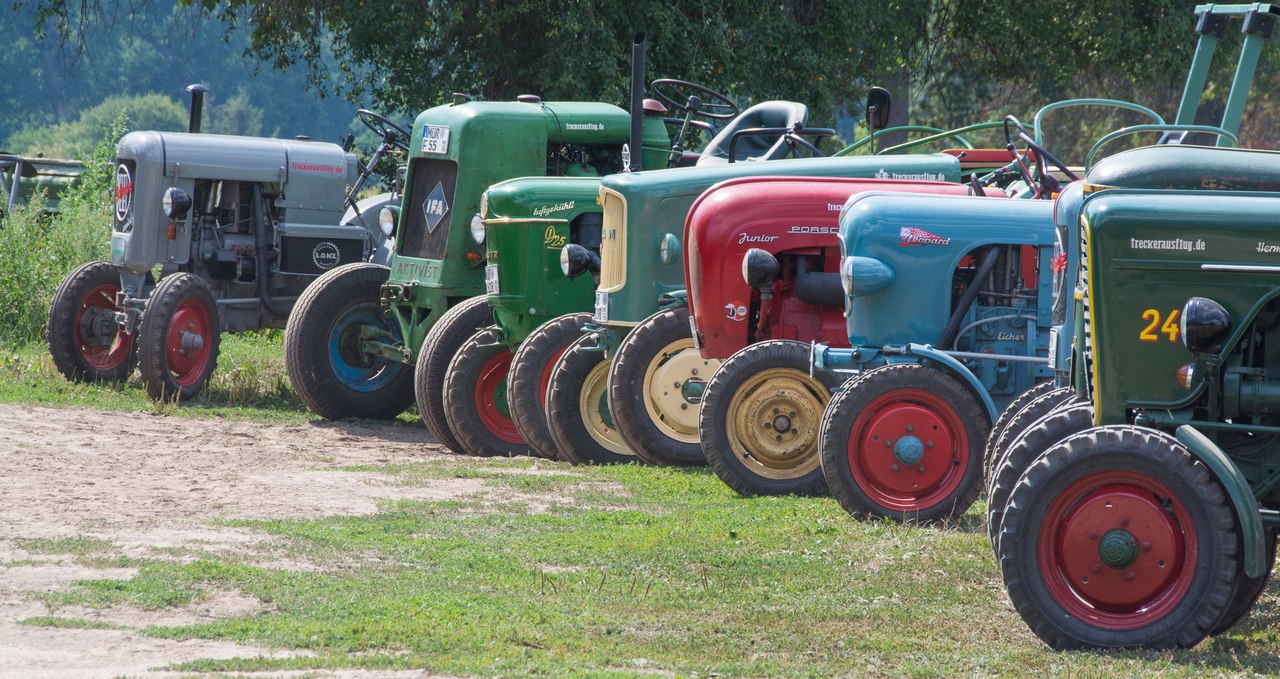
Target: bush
(39, 251)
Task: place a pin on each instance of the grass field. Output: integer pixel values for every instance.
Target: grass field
(586, 571)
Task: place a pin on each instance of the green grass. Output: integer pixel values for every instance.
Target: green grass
(629, 570)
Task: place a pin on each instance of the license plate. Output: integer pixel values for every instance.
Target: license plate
(1053, 348)
(491, 279)
(693, 329)
(602, 307)
(435, 139)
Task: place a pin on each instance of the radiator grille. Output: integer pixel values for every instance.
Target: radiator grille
(613, 245)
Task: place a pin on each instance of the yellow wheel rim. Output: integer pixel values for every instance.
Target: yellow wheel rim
(667, 383)
(773, 423)
(592, 408)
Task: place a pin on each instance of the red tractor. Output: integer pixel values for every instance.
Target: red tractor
(761, 268)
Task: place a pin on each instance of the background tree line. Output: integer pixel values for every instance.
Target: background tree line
(948, 62)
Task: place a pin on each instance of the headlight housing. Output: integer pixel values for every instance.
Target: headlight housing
(669, 249)
(477, 229)
(387, 218)
(846, 276)
(576, 260)
(759, 268)
(175, 202)
(1205, 325)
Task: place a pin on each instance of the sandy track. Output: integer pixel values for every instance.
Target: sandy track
(142, 481)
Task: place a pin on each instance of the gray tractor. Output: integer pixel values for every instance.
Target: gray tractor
(212, 233)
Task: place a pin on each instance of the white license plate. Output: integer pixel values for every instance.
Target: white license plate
(491, 279)
(602, 307)
(435, 139)
(1053, 348)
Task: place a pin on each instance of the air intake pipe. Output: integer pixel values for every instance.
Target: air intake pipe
(197, 106)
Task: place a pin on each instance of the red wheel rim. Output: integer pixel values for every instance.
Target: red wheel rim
(102, 357)
(189, 342)
(491, 398)
(545, 383)
(908, 450)
(1141, 574)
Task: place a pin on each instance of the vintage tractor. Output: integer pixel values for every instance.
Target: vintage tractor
(640, 271)
(947, 316)
(535, 230)
(236, 227)
(1154, 523)
(353, 342)
(762, 285)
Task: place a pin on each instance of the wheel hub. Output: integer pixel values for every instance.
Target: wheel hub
(774, 419)
(908, 450)
(674, 384)
(1118, 549)
(97, 327)
(189, 341)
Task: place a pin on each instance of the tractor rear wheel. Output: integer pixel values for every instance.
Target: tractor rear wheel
(1068, 419)
(84, 339)
(441, 344)
(1117, 538)
(323, 351)
(475, 397)
(760, 418)
(904, 441)
(531, 375)
(577, 411)
(178, 338)
(655, 386)
(998, 437)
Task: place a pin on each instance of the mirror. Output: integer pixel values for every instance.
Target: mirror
(877, 110)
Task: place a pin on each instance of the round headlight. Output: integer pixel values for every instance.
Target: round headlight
(175, 202)
(669, 249)
(759, 268)
(484, 204)
(576, 260)
(564, 260)
(1205, 325)
(846, 276)
(477, 228)
(387, 220)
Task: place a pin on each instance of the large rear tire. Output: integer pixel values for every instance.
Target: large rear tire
(530, 377)
(178, 338)
(655, 386)
(322, 347)
(577, 412)
(84, 339)
(904, 442)
(443, 341)
(475, 397)
(760, 417)
(1117, 538)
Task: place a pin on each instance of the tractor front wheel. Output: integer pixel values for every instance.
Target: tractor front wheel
(998, 438)
(179, 337)
(84, 338)
(904, 442)
(655, 387)
(530, 377)
(324, 350)
(441, 344)
(760, 418)
(1117, 538)
(577, 408)
(475, 397)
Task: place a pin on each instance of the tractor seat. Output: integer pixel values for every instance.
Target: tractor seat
(768, 147)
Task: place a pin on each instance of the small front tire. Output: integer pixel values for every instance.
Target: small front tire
(577, 412)
(179, 338)
(84, 339)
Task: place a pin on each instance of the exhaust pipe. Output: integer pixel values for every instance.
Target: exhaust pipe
(197, 106)
(636, 142)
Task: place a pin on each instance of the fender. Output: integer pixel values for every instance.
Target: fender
(962, 372)
(673, 299)
(1242, 497)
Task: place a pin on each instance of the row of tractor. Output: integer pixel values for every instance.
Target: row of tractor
(1089, 345)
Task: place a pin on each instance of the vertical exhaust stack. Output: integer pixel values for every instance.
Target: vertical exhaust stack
(637, 103)
(197, 106)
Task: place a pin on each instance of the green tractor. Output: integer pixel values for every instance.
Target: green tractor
(354, 339)
(22, 177)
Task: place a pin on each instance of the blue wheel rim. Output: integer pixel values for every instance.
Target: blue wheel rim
(354, 369)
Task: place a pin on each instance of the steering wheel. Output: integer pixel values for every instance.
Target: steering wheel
(1041, 155)
(381, 126)
(676, 93)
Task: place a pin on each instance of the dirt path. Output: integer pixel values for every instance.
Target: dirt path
(145, 482)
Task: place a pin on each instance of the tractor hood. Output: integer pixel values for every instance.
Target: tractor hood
(1187, 167)
(900, 254)
(541, 198)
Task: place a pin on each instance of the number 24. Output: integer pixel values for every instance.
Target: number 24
(1169, 327)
